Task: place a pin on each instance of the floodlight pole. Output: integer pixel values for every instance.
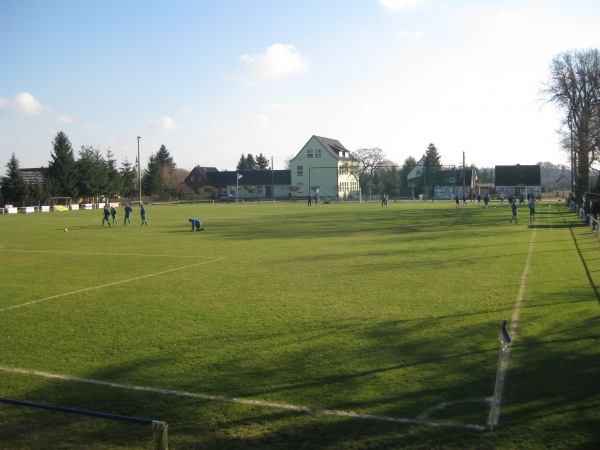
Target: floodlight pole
(139, 173)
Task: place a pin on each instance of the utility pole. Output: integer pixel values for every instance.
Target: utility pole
(139, 173)
(463, 177)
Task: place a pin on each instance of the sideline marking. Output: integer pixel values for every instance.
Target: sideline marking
(242, 401)
(141, 277)
(495, 409)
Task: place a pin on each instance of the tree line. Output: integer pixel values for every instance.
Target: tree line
(376, 173)
(90, 176)
(249, 162)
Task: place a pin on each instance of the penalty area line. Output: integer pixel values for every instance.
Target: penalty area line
(241, 401)
(114, 283)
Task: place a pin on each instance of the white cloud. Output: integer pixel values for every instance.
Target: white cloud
(164, 124)
(262, 120)
(284, 106)
(401, 5)
(411, 35)
(64, 119)
(24, 104)
(277, 61)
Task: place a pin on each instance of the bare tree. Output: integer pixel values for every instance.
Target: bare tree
(209, 190)
(369, 159)
(294, 188)
(574, 87)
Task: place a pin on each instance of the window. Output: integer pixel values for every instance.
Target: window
(318, 153)
(300, 187)
(300, 171)
(260, 190)
(309, 153)
(192, 178)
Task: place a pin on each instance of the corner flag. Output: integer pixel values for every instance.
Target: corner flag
(504, 337)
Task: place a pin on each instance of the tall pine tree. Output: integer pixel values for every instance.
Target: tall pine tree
(128, 176)
(262, 162)
(61, 170)
(432, 166)
(154, 181)
(93, 176)
(14, 188)
(251, 162)
(242, 163)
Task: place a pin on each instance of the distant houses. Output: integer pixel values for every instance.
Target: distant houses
(209, 182)
(322, 164)
(325, 165)
(449, 181)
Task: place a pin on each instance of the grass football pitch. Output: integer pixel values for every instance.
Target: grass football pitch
(345, 326)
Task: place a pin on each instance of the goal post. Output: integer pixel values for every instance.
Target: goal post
(159, 429)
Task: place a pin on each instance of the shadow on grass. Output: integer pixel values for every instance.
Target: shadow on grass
(565, 225)
(586, 267)
(536, 406)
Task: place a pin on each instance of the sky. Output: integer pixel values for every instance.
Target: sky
(212, 80)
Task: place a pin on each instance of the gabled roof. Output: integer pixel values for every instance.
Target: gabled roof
(335, 148)
(202, 171)
(443, 176)
(413, 173)
(518, 175)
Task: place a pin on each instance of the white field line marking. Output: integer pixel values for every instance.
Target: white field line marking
(425, 414)
(114, 283)
(105, 254)
(242, 401)
(495, 410)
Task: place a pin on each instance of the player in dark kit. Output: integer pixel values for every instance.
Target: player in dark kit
(197, 225)
(128, 211)
(143, 215)
(106, 216)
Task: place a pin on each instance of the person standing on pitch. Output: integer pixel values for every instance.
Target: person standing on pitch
(113, 213)
(197, 225)
(143, 215)
(513, 207)
(106, 216)
(532, 210)
(128, 211)
(309, 200)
